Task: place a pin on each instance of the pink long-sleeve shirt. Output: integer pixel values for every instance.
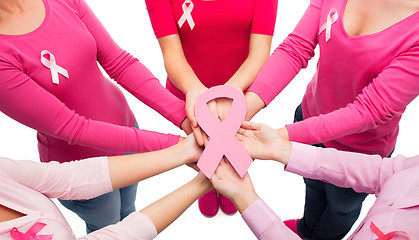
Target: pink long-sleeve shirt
(219, 42)
(27, 186)
(362, 85)
(394, 181)
(85, 114)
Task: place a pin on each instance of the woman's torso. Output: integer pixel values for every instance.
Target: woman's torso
(86, 90)
(347, 64)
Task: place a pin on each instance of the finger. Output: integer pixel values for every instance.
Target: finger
(239, 137)
(198, 135)
(241, 131)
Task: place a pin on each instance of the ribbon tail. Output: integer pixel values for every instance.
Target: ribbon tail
(239, 158)
(210, 159)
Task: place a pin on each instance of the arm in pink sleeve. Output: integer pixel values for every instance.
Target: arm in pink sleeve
(72, 180)
(264, 17)
(265, 224)
(361, 172)
(382, 100)
(289, 57)
(136, 226)
(161, 17)
(28, 103)
(129, 72)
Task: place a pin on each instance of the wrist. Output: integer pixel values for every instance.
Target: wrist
(244, 200)
(283, 151)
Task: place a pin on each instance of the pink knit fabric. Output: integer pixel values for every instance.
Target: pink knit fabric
(219, 42)
(362, 84)
(84, 115)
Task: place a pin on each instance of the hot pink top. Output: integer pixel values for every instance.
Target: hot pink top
(219, 42)
(394, 181)
(26, 186)
(85, 114)
(362, 84)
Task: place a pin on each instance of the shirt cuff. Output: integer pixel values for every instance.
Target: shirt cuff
(298, 162)
(259, 217)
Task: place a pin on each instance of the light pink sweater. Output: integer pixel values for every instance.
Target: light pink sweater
(85, 115)
(394, 181)
(362, 85)
(26, 186)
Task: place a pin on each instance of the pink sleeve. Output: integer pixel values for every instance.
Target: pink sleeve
(289, 57)
(265, 224)
(28, 103)
(264, 17)
(161, 17)
(73, 180)
(129, 72)
(136, 226)
(385, 98)
(361, 172)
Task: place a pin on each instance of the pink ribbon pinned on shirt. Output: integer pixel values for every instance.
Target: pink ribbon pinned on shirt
(388, 236)
(31, 233)
(223, 141)
(52, 65)
(186, 16)
(332, 17)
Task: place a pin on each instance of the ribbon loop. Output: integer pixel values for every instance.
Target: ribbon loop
(52, 65)
(332, 17)
(186, 16)
(223, 134)
(31, 233)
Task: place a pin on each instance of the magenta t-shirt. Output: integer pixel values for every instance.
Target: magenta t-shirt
(219, 42)
(84, 115)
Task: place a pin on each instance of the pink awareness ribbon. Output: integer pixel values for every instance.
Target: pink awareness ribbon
(52, 65)
(31, 233)
(382, 236)
(186, 16)
(332, 17)
(223, 141)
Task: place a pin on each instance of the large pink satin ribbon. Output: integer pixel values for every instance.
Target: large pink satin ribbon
(332, 17)
(31, 233)
(382, 236)
(223, 141)
(52, 65)
(187, 16)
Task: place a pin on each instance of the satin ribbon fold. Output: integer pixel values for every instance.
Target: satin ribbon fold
(388, 236)
(186, 16)
(31, 233)
(332, 17)
(52, 65)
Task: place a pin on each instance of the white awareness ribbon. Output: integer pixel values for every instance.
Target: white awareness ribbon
(332, 17)
(186, 16)
(51, 64)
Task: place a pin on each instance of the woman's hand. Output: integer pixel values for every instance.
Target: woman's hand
(264, 142)
(191, 149)
(191, 99)
(228, 182)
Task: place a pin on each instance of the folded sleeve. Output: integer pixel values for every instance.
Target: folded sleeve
(265, 224)
(289, 57)
(361, 172)
(72, 180)
(264, 17)
(385, 98)
(129, 72)
(28, 103)
(136, 226)
(161, 17)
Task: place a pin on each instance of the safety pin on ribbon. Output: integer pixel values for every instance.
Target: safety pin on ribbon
(52, 65)
(186, 16)
(31, 233)
(223, 141)
(332, 17)
(388, 236)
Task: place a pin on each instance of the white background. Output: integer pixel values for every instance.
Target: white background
(129, 25)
